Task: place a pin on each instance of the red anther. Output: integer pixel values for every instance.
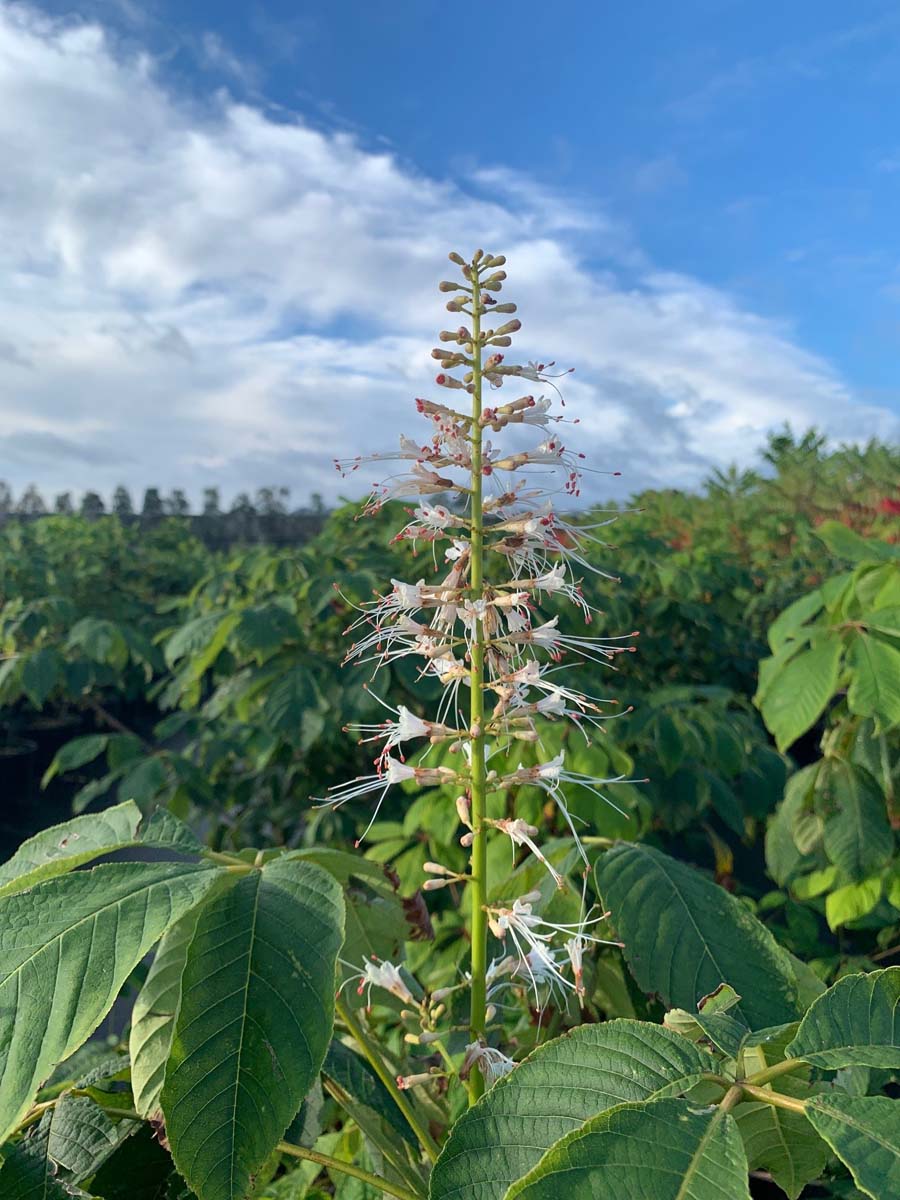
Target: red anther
(439, 378)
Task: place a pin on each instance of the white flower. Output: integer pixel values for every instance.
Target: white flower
(493, 1064)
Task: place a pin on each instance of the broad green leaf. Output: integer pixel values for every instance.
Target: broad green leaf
(864, 1131)
(659, 1149)
(75, 754)
(712, 1021)
(100, 640)
(354, 1076)
(852, 901)
(551, 1093)
(788, 624)
(41, 671)
(797, 696)
(165, 831)
(63, 847)
(783, 1142)
(886, 619)
(28, 1172)
(66, 947)
(855, 1023)
(857, 834)
(684, 936)
(669, 746)
(254, 1023)
(195, 637)
(847, 544)
(784, 859)
(874, 689)
(154, 1014)
(81, 1137)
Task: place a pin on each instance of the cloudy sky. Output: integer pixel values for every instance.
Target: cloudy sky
(220, 234)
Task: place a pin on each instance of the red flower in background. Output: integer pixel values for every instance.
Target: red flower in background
(887, 505)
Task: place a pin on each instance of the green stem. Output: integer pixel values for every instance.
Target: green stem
(335, 1164)
(774, 1072)
(372, 1054)
(478, 868)
(731, 1098)
(776, 1099)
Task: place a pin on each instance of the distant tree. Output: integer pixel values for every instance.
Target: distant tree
(6, 498)
(92, 505)
(31, 502)
(243, 505)
(272, 502)
(211, 502)
(121, 502)
(153, 505)
(317, 503)
(177, 504)
(63, 504)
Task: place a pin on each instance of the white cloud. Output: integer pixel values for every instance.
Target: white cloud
(215, 293)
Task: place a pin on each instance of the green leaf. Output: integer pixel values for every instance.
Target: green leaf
(99, 640)
(874, 689)
(857, 835)
(797, 696)
(852, 901)
(75, 754)
(664, 1149)
(864, 1131)
(784, 859)
(855, 1023)
(788, 624)
(165, 831)
(66, 947)
(354, 1076)
(63, 847)
(196, 637)
(154, 1014)
(254, 1024)
(684, 936)
(669, 747)
(847, 544)
(550, 1094)
(782, 1142)
(82, 1137)
(41, 671)
(28, 1172)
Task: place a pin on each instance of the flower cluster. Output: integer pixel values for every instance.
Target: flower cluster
(496, 655)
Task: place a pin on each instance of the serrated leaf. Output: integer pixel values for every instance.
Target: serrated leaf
(782, 1142)
(796, 698)
(99, 640)
(784, 859)
(254, 1023)
(664, 1149)
(684, 936)
(855, 1023)
(864, 1131)
(551, 1093)
(66, 947)
(81, 1137)
(874, 689)
(857, 835)
(164, 831)
(63, 847)
(28, 1173)
(154, 1015)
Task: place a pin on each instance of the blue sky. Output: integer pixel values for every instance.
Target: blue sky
(711, 187)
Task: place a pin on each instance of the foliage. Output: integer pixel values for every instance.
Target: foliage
(304, 1025)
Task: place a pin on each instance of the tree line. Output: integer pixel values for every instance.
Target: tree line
(264, 516)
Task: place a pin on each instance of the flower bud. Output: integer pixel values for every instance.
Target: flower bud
(454, 305)
(492, 285)
(497, 277)
(447, 381)
(477, 256)
(447, 285)
(442, 993)
(502, 340)
(467, 839)
(506, 307)
(457, 258)
(448, 335)
(434, 885)
(512, 326)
